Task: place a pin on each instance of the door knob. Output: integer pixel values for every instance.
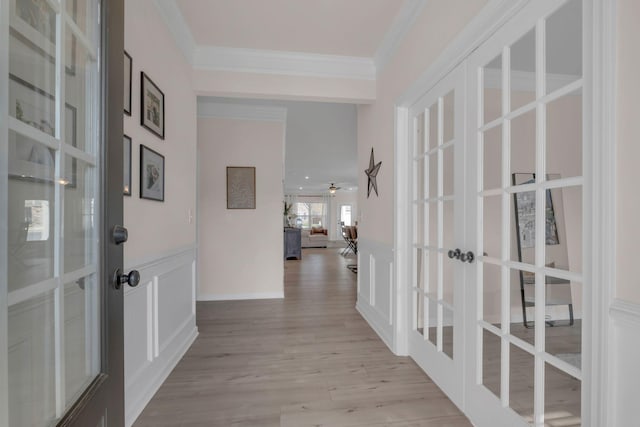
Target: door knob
(120, 234)
(468, 257)
(455, 254)
(132, 279)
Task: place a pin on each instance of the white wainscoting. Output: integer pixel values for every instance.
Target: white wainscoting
(624, 363)
(376, 293)
(159, 325)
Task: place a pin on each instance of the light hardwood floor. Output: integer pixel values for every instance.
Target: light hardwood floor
(307, 360)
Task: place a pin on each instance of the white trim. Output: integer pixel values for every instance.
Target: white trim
(402, 23)
(283, 62)
(135, 408)
(235, 297)
(178, 27)
(625, 311)
(525, 81)
(490, 18)
(376, 322)
(152, 260)
(241, 112)
(601, 101)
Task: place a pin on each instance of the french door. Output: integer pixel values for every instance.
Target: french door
(510, 196)
(61, 341)
(435, 338)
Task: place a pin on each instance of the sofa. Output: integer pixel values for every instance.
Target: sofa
(314, 237)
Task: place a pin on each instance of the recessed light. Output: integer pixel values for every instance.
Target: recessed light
(306, 177)
(300, 188)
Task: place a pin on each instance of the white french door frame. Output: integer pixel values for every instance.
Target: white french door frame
(599, 178)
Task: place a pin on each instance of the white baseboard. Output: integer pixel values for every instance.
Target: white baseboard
(135, 408)
(234, 297)
(377, 323)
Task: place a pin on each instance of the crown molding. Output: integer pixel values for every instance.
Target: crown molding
(241, 112)
(178, 27)
(402, 23)
(282, 62)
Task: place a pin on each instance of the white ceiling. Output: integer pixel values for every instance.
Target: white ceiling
(321, 137)
(331, 27)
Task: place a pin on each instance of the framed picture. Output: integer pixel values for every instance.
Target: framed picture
(152, 106)
(128, 67)
(127, 166)
(525, 207)
(29, 159)
(241, 187)
(151, 174)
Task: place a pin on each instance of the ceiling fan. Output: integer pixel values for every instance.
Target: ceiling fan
(333, 188)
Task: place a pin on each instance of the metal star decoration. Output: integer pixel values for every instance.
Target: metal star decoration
(372, 173)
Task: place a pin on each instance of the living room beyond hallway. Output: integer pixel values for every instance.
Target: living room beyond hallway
(306, 360)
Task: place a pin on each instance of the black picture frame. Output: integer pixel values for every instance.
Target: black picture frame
(151, 106)
(126, 180)
(241, 187)
(128, 77)
(152, 172)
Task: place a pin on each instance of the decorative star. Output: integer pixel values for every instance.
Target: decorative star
(372, 173)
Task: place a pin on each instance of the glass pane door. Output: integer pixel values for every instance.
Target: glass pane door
(438, 231)
(50, 188)
(526, 332)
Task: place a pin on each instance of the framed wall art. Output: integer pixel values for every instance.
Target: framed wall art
(151, 174)
(241, 187)
(128, 67)
(152, 106)
(126, 182)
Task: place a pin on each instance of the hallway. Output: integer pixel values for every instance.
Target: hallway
(307, 360)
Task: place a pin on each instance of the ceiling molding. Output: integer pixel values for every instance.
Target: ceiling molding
(402, 23)
(241, 112)
(282, 62)
(178, 27)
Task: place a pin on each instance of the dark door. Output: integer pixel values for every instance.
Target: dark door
(61, 182)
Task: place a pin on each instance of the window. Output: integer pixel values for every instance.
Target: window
(36, 218)
(309, 214)
(345, 214)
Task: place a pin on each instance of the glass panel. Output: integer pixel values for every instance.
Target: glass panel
(523, 71)
(432, 318)
(563, 249)
(492, 158)
(491, 361)
(420, 179)
(521, 380)
(449, 243)
(433, 126)
(493, 90)
(433, 175)
(562, 405)
(447, 332)
(419, 321)
(420, 135)
(79, 219)
(563, 312)
(492, 294)
(564, 136)
(523, 303)
(81, 335)
(32, 362)
(448, 119)
(419, 236)
(523, 226)
(564, 45)
(31, 210)
(433, 226)
(523, 143)
(448, 171)
(32, 65)
(492, 226)
(420, 269)
(80, 92)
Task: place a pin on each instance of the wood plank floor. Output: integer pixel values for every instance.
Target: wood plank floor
(307, 360)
